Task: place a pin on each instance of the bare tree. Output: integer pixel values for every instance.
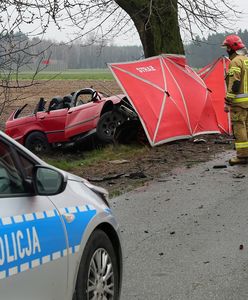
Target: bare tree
(161, 22)
(16, 54)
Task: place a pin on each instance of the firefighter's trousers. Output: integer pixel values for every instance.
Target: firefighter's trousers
(239, 118)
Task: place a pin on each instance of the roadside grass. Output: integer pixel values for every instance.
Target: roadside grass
(70, 74)
(98, 162)
(72, 162)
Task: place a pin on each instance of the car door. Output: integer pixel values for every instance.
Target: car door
(53, 124)
(33, 247)
(82, 118)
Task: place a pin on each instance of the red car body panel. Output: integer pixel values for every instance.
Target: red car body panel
(52, 123)
(85, 117)
(60, 125)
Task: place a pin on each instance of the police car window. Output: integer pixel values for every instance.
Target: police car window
(11, 181)
(27, 165)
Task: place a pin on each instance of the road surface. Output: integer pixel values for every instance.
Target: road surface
(185, 236)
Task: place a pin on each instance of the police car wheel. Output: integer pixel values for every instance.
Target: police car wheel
(98, 276)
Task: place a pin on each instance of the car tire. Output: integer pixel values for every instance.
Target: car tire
(98, 276)
(37, 142)
(127, 132)
(107, 125)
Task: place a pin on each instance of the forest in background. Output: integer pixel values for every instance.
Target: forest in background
(59, 57)
(204, 51)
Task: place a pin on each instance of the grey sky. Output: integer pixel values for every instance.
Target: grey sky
(243, 7)
(133, 39)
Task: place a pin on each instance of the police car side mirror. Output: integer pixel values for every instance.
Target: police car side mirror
(48, 181)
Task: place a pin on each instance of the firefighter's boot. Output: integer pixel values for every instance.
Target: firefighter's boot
(238, 161)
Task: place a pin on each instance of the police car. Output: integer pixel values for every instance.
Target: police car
(58, 237)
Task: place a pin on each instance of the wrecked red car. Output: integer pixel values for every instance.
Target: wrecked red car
(69, 119)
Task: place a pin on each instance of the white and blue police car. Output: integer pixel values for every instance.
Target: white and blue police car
(58, 237)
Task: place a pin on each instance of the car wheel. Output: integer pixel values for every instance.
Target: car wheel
(37, 142)
(107, 124)
(98, 276)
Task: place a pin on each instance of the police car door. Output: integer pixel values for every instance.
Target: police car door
(33, 245)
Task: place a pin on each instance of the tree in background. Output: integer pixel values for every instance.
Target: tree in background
(205, 50)
(157, 25)
(17, 51)
(161, 22)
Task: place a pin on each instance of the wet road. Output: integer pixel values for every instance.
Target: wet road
(185, 236)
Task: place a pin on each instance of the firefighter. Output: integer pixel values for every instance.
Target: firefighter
(236, 100)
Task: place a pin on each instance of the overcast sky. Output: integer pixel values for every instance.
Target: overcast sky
(133, 39)
(243, 6)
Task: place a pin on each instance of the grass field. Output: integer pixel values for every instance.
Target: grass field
(77, 74)
(96, 156)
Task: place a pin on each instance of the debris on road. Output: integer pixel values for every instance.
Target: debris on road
(99, 179)
(199, 141)
(119, 161)
(241, 247)
(133, 175)
(226, 141)
(238, 176)
(163, 180)
(137, 175)
(220, 166)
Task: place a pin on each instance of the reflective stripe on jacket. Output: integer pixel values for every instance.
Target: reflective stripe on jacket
(241, 145)
(240, 98)
(237, 75)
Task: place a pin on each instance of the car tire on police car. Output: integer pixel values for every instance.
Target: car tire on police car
(98, 274)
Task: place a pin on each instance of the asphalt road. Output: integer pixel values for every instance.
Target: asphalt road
(185, 236)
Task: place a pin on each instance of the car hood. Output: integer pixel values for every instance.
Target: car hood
(74, 177)
(100, 191)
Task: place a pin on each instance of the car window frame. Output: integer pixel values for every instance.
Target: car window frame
(15, 152)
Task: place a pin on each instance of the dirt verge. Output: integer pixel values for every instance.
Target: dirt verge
(120, 176)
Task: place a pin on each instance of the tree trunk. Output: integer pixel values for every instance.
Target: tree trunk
(157, 24)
